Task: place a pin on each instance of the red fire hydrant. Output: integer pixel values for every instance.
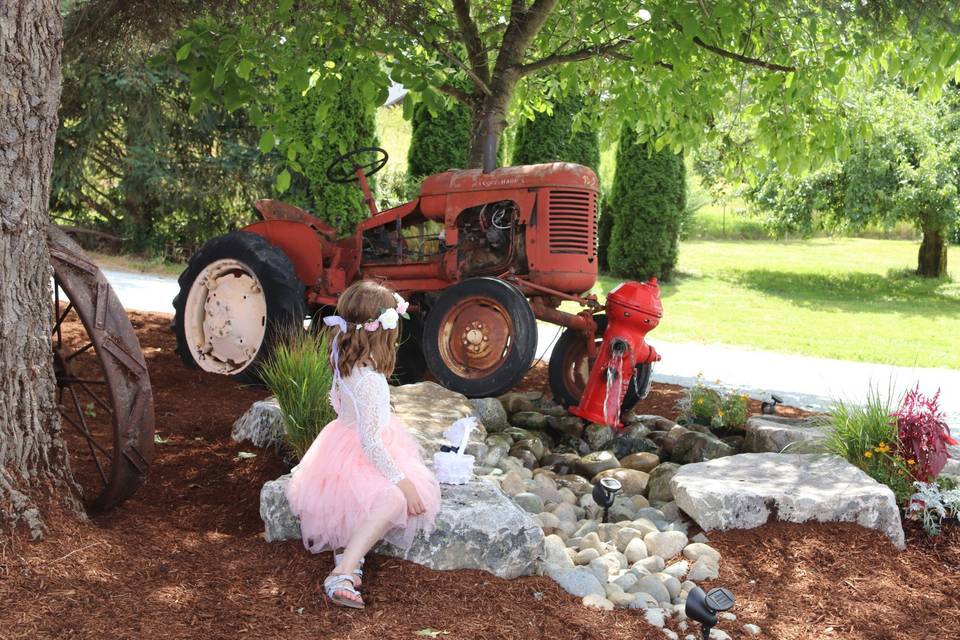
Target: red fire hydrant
(633, 310)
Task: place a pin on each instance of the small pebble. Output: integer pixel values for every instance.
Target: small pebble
(751, 629)
(596, 601)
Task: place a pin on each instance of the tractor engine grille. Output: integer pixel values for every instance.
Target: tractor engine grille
(572, 227)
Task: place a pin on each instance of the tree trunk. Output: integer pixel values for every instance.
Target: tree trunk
(490, 120)
(932, 258)
(33, 458)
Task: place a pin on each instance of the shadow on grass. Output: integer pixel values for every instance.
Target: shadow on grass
(855, 292)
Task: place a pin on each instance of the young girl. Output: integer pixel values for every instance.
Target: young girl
(363, 478)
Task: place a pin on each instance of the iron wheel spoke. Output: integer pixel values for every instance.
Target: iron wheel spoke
(98, 399)
(82, 349)
(90, 440)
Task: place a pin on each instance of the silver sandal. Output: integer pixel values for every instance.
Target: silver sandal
(342, 582)
(358, 572)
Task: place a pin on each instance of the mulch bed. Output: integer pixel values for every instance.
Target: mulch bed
(184, 558)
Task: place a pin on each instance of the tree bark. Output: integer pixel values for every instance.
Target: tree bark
(33, 457)
(932, 257)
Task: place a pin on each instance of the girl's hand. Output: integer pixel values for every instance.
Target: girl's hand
(414, 503)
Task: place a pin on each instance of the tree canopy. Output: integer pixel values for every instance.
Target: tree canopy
(669, 66)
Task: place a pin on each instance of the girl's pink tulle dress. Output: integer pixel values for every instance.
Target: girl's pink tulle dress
(351, 470)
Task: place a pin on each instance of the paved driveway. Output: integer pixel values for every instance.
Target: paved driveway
(800, 380)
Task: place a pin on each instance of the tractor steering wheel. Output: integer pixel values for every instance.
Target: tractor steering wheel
(339, 173)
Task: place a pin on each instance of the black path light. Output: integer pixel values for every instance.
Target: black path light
(604, 493)
(769, 407)
(704, 607)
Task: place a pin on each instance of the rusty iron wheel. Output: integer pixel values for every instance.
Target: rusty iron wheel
(103, 388)
(570, 367)
(480, 337)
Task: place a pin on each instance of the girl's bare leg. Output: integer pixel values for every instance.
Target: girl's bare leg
(366, 535)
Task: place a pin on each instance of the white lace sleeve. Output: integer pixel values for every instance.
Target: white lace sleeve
(373, 399)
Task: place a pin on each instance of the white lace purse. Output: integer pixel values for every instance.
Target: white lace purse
(455, 467)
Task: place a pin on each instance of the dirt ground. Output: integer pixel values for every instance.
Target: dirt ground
(184, 558)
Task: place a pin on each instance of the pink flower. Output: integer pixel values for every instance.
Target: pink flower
(373, 325)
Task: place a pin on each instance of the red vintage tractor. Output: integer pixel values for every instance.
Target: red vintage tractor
(480, 255)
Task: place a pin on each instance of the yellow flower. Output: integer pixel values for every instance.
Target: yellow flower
(868, 454)
(911, 461)
(700, 401)
(720, 413)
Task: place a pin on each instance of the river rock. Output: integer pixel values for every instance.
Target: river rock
(622, 509)
(658, 485)
(644, 461)
(586, 556)
(694, 446)
(743, 491)
(529, 502)
(576, 483)
(533, 445)
(705, 568)
(669, 441)
(652, 422)
(665, 544)
(653, 586)
(594, 601)
(560, 463)
(578, 581)
(567, 425)
(529, 420)
(636, 550)
(597, 435)
(593, 463)
(513, 483)
(633, 482)
(696, 550)
(491, 414)
(525, 457)
(519, 433)
(427, 409)
(516, 402)
(778, 434)
(624, 445)
(555, 554)
(262, 425)
(478, 527)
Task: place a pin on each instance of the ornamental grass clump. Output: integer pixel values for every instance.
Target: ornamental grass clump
(299, 375)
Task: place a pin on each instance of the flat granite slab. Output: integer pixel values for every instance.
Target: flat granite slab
(478, 527)
(744, 491)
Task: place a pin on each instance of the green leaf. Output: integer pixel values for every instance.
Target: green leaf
(267, 142)
(184, 51)
(244, 68)
(283, 181)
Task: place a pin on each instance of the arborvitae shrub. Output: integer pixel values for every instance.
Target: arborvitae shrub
(349, 124)
(604, 228)
(440, 142)
(647, 203)
(551, 137)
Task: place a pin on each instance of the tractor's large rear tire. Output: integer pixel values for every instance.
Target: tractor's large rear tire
(411, 365)
(570, 369)
(480, 337)
(238, 295)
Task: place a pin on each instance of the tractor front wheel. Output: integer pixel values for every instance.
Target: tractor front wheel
(480, 337)
(238, 295)
(570, 369)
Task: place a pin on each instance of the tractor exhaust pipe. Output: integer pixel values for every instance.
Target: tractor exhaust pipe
(489, 147)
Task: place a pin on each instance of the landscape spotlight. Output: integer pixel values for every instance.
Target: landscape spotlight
(704, 607)
(769, 407)
(604, 493)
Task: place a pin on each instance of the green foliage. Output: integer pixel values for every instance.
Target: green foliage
(669, 66)
(933, 503)
(604, 229)
(557, 134)
(648, 204)
(132, 163)
(439, 141)
(866, 436)
(299, 375)
(711, 408)
(903, 167)
(330, 128)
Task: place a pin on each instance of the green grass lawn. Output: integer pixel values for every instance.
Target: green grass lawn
(846, 298)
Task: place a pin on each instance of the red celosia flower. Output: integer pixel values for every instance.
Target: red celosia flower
(924, 433)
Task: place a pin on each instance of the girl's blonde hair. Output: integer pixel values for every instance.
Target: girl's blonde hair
(362, 302)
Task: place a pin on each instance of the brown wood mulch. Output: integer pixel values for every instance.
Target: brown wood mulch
(184, 558)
